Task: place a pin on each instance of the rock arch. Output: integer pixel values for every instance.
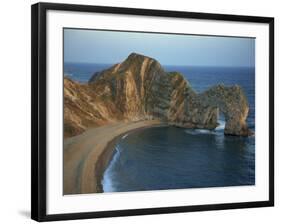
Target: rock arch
(140, 89)
(232, 102)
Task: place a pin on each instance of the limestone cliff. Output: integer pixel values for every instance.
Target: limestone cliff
(83, 108)
(140, 89)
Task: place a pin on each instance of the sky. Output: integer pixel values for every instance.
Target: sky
(110, 47)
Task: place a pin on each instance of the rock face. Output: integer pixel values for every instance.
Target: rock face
(140, 89)
(84, 107)
(231, 101)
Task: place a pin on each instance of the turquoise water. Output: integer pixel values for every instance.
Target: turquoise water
(177, 158)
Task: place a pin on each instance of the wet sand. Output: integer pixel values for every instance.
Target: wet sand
(86, 156)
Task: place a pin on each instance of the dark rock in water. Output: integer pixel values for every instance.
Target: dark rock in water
(140, 89)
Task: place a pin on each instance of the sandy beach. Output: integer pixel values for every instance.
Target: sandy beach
(86, 156)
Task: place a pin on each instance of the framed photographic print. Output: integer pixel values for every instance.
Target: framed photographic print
(139, 111)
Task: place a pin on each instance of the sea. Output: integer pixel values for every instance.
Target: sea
(162, 158)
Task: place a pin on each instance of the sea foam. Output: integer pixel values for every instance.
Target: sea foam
(107, 183)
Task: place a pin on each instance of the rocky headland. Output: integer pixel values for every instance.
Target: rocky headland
(140, 89)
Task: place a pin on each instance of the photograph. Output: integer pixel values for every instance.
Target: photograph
(151, 111)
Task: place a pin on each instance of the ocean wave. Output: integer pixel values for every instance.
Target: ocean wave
(107, 183)
(217, 130)
(123, 137)
(199, 131)
(203, 131)
(221, 125)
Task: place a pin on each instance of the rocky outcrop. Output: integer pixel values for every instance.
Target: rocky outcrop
(84, 107)
(140, 89)
(231, 101)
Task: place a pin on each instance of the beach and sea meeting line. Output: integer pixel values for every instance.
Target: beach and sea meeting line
(137, 118)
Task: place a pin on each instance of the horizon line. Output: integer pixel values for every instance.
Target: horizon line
(180, 65)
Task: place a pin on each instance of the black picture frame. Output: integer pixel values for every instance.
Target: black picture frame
(39, 108)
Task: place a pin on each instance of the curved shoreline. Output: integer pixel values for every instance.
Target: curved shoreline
(86, 156)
